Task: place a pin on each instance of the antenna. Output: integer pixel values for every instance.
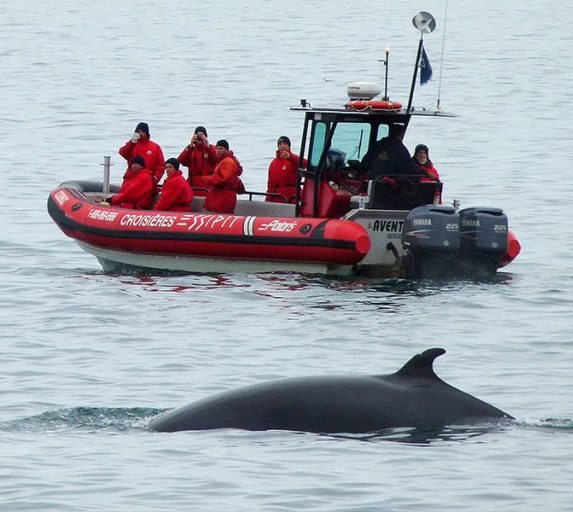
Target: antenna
(442, 59)
(385, 62)
(426, 24)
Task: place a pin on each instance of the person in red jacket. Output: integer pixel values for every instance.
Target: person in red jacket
(141, 145)
(200, 158)
(422, 159)
(283, 173)
(176, 193)
(138, 192)
(130, 174)
(224, 183)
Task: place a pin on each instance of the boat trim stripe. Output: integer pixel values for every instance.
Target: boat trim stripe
(248, 226)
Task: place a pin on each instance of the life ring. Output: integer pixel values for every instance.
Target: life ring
(374, 105)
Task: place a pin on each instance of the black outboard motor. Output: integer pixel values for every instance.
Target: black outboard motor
(483, 239)
(431, 238)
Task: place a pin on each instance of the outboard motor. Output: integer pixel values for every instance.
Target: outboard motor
(431, 238)
(483, 239)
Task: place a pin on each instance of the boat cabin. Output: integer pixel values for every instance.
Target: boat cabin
(334, 144)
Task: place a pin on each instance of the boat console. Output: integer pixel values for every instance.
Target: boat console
(404, 194)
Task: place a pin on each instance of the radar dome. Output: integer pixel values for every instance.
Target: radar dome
(363, 90)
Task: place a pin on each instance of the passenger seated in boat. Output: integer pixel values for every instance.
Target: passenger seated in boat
(224, 183)
(283, 174)
(138, 191)
(141, 145)
(389, 158)
(422, 160)
(176, 193)
(200, 158)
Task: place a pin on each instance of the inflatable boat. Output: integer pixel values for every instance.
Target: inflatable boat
(203, 241)
(341, 222)
(426, 241)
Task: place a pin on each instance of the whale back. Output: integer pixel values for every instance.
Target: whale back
(414, 396)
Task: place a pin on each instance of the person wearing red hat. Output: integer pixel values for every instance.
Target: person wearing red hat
(138, 191)
(283, 174)
(200, 158)
(176, 193)
(224, 183)
(141, 145)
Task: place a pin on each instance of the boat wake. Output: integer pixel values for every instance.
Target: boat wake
(548, 425)
(84, 419)
(424, 437)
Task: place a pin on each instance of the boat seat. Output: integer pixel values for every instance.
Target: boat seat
(197, 204)
(264, 209)
(253, 208)
(333, 202)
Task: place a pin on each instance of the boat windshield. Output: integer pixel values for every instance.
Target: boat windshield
(350, 141)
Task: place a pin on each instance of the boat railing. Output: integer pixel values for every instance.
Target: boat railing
(251, 194)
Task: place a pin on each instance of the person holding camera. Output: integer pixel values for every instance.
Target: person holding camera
(200, 158)
(141, 145)
(283, 173)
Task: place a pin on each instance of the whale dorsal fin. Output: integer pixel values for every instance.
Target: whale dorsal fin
(421, 365)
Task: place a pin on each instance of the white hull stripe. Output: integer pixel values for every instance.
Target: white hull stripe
(248, 225)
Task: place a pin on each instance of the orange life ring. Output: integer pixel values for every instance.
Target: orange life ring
(374, 105)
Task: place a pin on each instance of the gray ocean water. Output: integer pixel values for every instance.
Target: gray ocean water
(89, 357)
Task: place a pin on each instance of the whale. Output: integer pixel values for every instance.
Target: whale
(414, 396)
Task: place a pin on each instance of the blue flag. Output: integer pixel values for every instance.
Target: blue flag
(425, 68)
